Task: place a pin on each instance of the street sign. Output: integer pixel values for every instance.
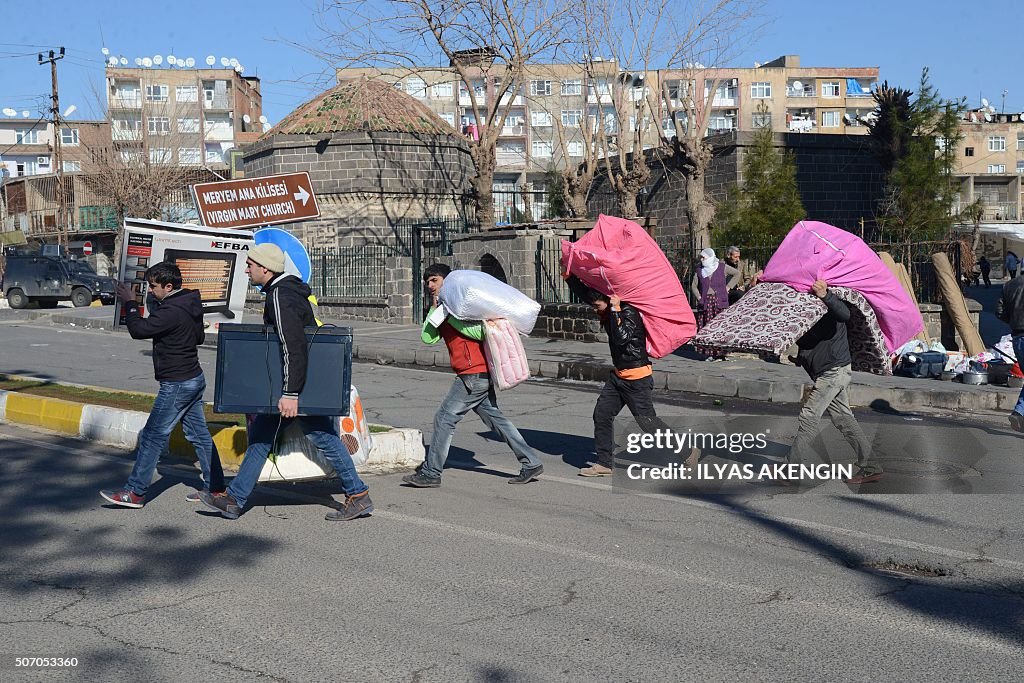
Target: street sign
(87, 248)
(251, 202)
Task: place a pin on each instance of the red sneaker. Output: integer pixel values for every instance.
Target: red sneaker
(124, 498)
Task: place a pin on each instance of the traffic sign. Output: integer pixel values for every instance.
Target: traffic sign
(251, 202)
(87, 248)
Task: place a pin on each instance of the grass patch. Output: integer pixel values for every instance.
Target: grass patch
(121, 399)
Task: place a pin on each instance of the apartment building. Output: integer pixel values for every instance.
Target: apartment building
(990, 164)
(26, 146)
(189, 117)
(542, 130)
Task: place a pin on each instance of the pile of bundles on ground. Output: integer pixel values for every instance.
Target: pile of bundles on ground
(505, 311)
(774, 314)
(618, 257)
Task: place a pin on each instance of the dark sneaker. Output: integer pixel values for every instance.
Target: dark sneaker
(527, 475)
(1017, 421)
(862, 478)
(194, 496)
(226, 505)
(354, 507)
(124, 498)
(421, 481)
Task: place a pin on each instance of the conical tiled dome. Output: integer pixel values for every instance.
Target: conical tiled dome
(362, 105)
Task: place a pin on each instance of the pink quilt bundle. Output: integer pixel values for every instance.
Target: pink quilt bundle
(506, 358)
(814, 250)
(618, 257)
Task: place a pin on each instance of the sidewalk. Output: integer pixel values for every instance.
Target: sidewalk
(740, 376)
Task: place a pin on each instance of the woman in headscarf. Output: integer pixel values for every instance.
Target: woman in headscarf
(710, 287)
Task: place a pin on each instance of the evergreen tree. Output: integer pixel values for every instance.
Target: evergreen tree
(768, 204)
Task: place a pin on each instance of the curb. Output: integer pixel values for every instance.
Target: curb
(397, 450)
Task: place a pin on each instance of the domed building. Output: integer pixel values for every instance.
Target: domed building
(381, 163)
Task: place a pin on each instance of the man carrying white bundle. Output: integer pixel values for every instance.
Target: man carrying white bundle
(471, 390)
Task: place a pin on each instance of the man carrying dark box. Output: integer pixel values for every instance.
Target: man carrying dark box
(288, 311)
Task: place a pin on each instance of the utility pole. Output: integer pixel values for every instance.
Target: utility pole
(62, 232)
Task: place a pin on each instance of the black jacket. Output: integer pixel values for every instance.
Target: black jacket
(288, 311)
(176, 327)
(825, 346)
(627, 336)
(1010, 308)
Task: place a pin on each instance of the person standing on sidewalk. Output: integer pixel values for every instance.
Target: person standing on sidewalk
(471, 390)
(824, 352)
(986, 270)
(288, 311)
(631, 381)
(1010, 309)
(175, 324)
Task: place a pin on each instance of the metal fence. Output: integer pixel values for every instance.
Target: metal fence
(523, 206)
(354, 272)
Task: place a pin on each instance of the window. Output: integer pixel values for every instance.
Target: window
(601, 87)
(575, 148)
(214, 155)
(830, 89)
(541, 148)
(761, 119)
(27, 137)
(1020, 142)
(572, 87)
(540, 118)
(188, 125)
(996, 143)
(72, 166)
(997, 168)
(69, 136)
(159, 155)
(760, 90)
(186, 93)
(449, 118)
(829, 119)
(540, 87)
(442, 89)
(415, 86)
(159, 125)
(156, 93)
(968, 151)
(1020, 166)
(190, 156)
(571, 118)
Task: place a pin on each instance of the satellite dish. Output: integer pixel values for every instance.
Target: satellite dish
(147, 62)
(190, 62)
(10, 112)
(245, 117)
(984, 102)
(224, 61)
(172, 60)
(239, 68)
(263, 119)
(138, 61)
(988, 117)
(757, 65)
(233, 62)
(105, 51)
(211, 60)
(112, 61)
(266, 127)
(991, 109)
(158, 60)
(25, 113)
(70, 110)
(124, 61)
(848, 119)
(797, 85)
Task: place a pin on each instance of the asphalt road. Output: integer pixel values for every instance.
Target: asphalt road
(562, 579)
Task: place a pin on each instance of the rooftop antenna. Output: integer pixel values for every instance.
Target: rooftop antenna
(9, 112)
(224, 61)
(210, 60)
(70, 110)
(112, 61)
(172, 60)
(138, 61)
(105, 51)
(1002, 109)
(147, 62)
(232, 62)
(25, 114)
(190, 62)
(984, 102)
(124, 61)
(158, 59)
(263, 119)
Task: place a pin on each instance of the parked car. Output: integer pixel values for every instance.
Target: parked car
(50, 279)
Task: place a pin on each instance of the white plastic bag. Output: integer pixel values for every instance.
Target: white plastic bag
(506, 358)
(474, 295)
(297, 459)
(912, 346)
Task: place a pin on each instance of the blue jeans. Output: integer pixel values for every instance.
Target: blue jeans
(472, 392)
(320, 430)
(176, 401)
(1018, 350)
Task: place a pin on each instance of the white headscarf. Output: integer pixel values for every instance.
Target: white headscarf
(709, 262)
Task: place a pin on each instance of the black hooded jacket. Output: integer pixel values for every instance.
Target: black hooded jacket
(176, 327)
(826, 346)
(627, 336)
(288, 311)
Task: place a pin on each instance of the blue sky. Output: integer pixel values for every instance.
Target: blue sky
(969, 55)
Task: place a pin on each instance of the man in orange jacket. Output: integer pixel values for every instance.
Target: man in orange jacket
(471, 390)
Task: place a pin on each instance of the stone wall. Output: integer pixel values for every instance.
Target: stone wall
(938, 324)
(577, 322)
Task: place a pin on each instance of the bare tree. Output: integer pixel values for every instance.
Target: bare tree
(488, 45)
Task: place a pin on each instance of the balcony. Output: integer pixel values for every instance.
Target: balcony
(511, 158)
(801, 125)
(991, 211)
(123, 134)
(217, 103)
(465, 101)
(126, 101)
(806, 91)
(516, 131)
(507, 97)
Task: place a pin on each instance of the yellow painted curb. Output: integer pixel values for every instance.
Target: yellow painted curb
(231, 443)
(49, 413)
